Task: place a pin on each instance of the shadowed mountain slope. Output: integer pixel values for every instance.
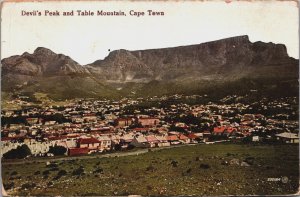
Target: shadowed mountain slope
(221, 64)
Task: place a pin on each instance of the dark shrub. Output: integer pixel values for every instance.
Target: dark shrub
(13, 173)
(130, 147)
(19, 153)
(124, 193)
(90, 194)
(118, 147)
(189, 170)
(37, 172)
(62, 173)
(247, 140)
(28, 186)
(10, 185)
(56, 178)
(149, 187)
(269, 167)
(78, 171)
(53, 169)
(204, 166)
(52, 165)
(98, 170)
(57, 150)
(46, 172)
(174, 163)
(45, 176)
(249, 160)
(150, 168)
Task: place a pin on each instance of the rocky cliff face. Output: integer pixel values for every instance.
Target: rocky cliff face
(225, 59)
(120, 66)
(167, 70)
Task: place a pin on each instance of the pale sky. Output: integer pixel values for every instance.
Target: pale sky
(88, 38)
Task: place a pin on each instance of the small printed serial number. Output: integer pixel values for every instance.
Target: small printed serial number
(282, 179)
(274, 179)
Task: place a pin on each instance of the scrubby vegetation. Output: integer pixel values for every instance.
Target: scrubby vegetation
(217, 169)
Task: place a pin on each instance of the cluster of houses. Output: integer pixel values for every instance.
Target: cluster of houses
(87, 126)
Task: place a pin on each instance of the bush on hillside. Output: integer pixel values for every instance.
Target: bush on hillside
(19, 153)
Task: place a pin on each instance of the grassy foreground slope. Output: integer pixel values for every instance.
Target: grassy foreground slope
(189, 170)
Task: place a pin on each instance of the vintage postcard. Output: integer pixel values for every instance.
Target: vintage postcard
(149, 98)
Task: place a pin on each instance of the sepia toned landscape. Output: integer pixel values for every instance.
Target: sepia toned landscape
(217, 118)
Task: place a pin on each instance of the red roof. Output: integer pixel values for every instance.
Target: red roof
(172, 138)
(141, 129)
(230, 129)
(183, 137)
(78, 151)
(192, 136)
(148, 118)
(72, 135)
(219, 129)
(100, 129)
(11, 138)
(6, 138)
(57, 137)
(151, 138)
(88, 141)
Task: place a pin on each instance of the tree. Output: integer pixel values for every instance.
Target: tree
(178, 129)
(57, 150)
(217, 137)
(118, 147)
(19, 153)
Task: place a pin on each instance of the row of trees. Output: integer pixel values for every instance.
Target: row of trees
(22, 119)
(23, 151)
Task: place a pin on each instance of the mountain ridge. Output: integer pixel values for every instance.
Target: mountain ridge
(219, 62)
(42, 61)
(220, 55)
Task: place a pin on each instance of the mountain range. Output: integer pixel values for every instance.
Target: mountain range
(231, 65)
